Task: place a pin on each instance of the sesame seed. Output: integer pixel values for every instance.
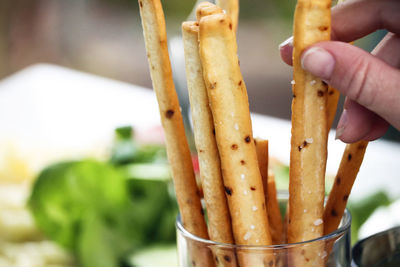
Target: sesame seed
(313, 82)
(254, 208)
(293, 82)
(252, 227)
(318, 222)
(247, 236)
(257, 240)
(305, 210)
(242, 176)
(309, 140)
(245, 192)
(324, 254)
(236, 127)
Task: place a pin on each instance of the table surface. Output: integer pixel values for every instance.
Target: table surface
(59, 112)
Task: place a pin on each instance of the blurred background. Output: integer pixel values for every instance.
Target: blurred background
(104, 37)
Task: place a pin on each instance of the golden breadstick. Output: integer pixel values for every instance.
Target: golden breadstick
(349, 166)
(262, 157)
(274, 212)
(219, 220)
(232, 8)
(229, 105)
(309, 132)
(155, 36)
(206, 9)
(333, 99)
(331, 106)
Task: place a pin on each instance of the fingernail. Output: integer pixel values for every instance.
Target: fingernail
(319, 62)
(341, 124)
(287, 42)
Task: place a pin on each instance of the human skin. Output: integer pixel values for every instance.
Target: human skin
(370, 81)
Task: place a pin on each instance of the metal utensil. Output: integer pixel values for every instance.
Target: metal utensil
(379, 250)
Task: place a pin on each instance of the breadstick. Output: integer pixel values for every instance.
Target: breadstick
(232, 8)
(331, 106)
(230, 109)
(274, 212)
(349, 166)
(207, 9)
(333, 99)
(262, 158)
(179, 157)
(309, 133)
(219, 221)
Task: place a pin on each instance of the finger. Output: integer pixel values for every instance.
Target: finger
(358, 75)
(367, 15)
(388, 50)
(358, 123)
(286, 51)
(370, 16)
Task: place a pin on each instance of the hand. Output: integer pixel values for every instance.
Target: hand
(370, 82)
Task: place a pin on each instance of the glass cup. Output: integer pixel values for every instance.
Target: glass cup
(333, 249)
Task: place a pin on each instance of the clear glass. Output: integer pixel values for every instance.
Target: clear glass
(333, 249)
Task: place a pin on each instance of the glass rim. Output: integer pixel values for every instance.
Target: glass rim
(345, 226)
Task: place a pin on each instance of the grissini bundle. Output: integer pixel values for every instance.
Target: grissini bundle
(230, 109)
(179, 156)
(219, 221)
(309, 132)
(232, 8)
(349, 166)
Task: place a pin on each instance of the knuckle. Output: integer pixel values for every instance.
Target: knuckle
(358, 84)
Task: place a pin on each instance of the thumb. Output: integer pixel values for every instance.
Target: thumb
(358, 75)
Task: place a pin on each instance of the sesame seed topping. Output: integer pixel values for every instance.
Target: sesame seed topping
(257, 240)
(318, 222)
(309, 140)
(252, 227)
(242, 176)
(313, 82)
(245, 192)
(232, 114)
(254, 208)
(324, 254)
(305, 210)
(247, 236)
(293, 82)
(236, 126)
